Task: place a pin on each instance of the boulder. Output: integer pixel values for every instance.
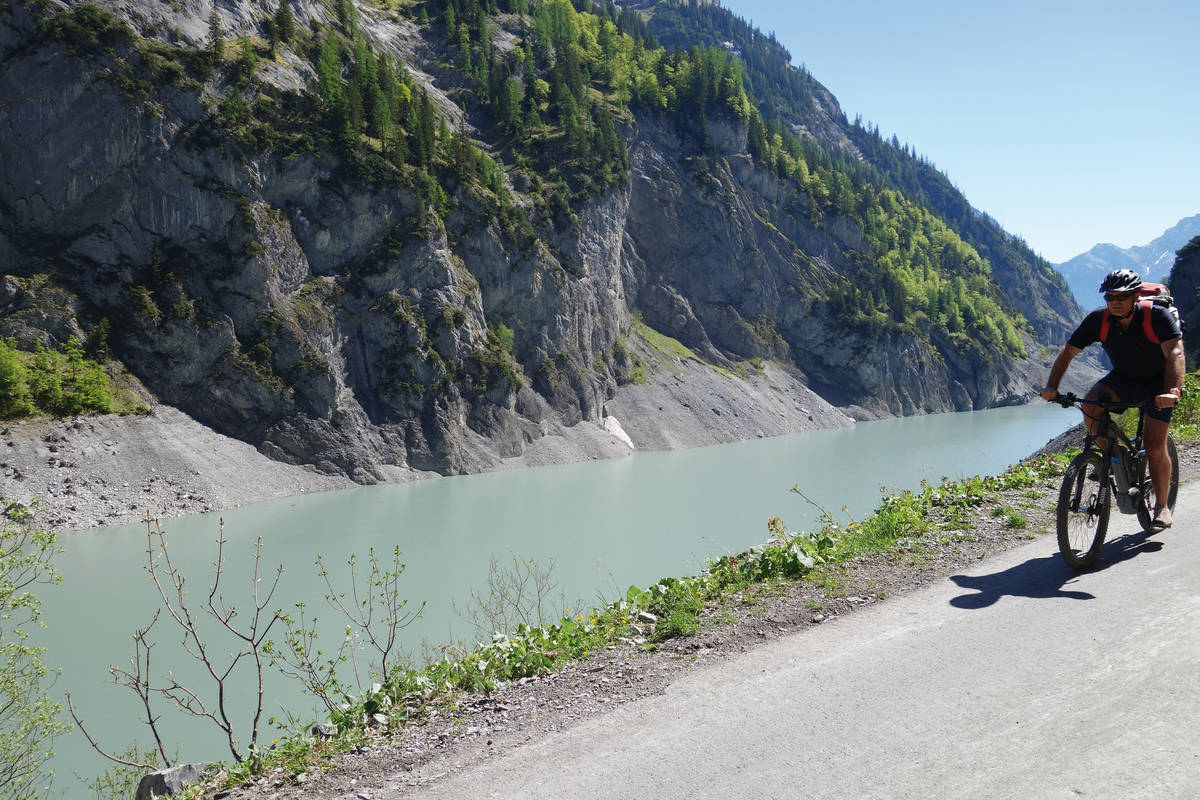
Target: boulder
(170, 781)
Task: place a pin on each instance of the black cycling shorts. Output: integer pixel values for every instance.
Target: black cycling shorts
(1133, 392)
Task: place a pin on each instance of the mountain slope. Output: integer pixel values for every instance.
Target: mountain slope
(367, 240)
(1185, 286)
(793, 96)
(1152, 261)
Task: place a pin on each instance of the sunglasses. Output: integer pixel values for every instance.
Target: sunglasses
(1119, 298)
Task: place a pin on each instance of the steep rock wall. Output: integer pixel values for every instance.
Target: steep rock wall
(726, 259)
(282, 299)
(1185, 288)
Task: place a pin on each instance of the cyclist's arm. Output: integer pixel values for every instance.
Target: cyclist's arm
(1173, 373)
(1058, 369)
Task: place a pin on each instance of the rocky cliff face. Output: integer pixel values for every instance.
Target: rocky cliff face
(728, 261)
(282, 299)
(1185, 288)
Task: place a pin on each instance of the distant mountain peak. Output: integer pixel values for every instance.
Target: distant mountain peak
(1152, 261)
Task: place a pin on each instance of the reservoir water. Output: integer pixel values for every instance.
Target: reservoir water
(603, 525)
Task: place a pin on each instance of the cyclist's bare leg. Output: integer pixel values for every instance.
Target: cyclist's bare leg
(1092, 415)
(1160, 463)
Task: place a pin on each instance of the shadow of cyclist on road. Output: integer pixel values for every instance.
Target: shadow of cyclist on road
(1043, 578)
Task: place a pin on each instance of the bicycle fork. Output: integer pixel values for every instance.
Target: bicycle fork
(1096, 501)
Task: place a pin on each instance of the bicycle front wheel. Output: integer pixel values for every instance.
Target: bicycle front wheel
(1084, 502)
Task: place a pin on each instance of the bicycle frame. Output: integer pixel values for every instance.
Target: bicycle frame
(1124, 454)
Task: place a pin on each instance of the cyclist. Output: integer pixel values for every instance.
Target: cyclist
(1142, 370)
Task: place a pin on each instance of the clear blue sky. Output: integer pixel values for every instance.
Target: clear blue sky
(1072, 123)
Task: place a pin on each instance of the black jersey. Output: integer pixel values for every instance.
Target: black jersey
(1132, 354)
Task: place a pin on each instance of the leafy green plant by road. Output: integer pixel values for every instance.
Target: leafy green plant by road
(372, 610)
(1185, 421)
(29, 721)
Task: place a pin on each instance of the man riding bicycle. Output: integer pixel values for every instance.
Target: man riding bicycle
(1142, 369)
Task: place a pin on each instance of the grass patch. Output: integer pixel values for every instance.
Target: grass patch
(672, 348)
(1015, 519)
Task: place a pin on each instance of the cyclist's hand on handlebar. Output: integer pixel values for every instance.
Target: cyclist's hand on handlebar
(1049, 394)
(1166, 400)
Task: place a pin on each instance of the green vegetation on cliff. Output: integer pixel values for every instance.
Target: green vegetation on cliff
(57, 382)
(792, 100)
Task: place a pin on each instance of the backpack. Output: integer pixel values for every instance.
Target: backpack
(1152, 294)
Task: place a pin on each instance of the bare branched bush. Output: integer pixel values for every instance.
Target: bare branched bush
(376, 614)
(251, 633)
(520, 593)
(301, 658)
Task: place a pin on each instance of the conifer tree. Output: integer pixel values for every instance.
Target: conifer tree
(216, 36)
(510, 94)
(395, 146)
(285, 23)
(464, 155)
(355, 117)
(422, 133)
(329, 71)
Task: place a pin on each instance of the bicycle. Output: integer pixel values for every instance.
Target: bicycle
(1095, 477)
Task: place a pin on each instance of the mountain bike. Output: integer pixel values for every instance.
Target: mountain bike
(1095, 477)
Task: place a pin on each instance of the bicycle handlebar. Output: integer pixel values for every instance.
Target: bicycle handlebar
(1070, 399)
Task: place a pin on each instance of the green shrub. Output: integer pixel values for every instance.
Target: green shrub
(29, 720)
(505, 336)
(15, 400)
(1185, 422)
(56, 382)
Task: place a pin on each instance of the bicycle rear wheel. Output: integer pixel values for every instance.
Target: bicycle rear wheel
(1084, 502)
